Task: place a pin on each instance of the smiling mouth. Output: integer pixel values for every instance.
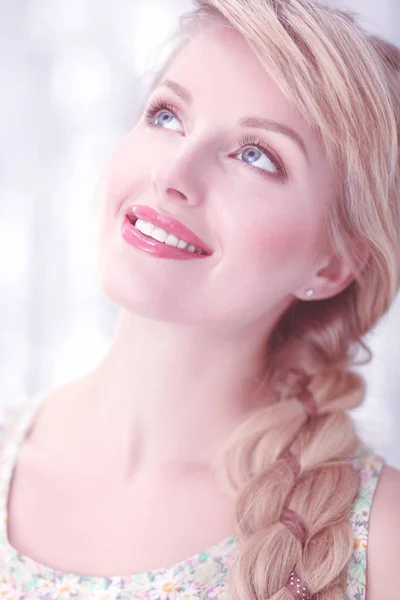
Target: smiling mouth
(177, 243)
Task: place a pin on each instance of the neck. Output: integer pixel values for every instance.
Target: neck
(175, 392)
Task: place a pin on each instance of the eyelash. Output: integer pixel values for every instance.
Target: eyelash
(245, 140)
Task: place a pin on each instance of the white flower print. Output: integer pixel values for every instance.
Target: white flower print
(193, 592)
(65, 590)
(43, 587)
(7, 591)
(166, 587)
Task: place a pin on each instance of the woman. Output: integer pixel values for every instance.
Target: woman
(250, 234)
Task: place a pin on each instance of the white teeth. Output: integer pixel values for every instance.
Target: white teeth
(172, 240)
(144, 227)
(163, 236)
(159, 234)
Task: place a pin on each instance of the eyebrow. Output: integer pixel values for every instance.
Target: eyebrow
(256, 122)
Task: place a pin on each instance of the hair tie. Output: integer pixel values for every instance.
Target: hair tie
(292, 461)
(296, 586)
(308, 401)
(295, 524)
(301, 377)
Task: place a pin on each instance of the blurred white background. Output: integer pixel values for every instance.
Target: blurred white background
(71, 76)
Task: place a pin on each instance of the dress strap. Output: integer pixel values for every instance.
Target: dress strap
(369, 466)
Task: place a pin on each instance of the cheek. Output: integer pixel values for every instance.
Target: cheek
(275, 240)
(127, 172)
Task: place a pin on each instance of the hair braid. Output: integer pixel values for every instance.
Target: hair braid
(266, 485)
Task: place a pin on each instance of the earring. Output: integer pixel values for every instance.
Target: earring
(309, 293)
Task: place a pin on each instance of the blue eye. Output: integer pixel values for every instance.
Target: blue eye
(158, 106)
(255, 144)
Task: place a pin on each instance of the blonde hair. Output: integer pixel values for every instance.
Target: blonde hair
(346, 84)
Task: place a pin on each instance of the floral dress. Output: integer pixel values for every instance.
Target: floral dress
(200, 577)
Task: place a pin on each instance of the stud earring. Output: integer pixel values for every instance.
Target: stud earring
(309, 293)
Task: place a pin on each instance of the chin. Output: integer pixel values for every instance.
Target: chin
(134, 292)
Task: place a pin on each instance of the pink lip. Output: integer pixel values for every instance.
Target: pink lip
(169, 224)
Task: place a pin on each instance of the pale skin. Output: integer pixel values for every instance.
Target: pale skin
(182, 370)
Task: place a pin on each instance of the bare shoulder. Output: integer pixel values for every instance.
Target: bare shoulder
(383, 549)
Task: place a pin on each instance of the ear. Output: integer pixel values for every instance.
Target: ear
(331, 279)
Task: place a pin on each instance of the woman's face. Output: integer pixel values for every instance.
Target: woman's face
(257, 195)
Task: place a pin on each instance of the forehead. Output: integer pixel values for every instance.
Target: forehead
(218, 66)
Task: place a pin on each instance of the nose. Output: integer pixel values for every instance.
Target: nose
(160, 182)
(174, 182)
